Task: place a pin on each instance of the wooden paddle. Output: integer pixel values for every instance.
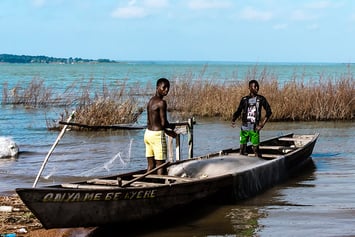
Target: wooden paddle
(145, 174)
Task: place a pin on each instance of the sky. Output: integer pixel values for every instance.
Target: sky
(188, 30)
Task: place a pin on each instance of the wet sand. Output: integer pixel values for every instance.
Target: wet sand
(23, 223)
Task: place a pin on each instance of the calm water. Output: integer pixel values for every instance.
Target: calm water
(318, 203)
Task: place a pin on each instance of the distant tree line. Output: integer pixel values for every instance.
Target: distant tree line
(11, 58)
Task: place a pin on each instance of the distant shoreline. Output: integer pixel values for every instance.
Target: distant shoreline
(28, 59)
(12, 58)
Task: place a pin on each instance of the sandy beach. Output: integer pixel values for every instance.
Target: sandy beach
(16, 218)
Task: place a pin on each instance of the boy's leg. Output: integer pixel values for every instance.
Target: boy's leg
(160, 171)
(256, 151)
(151, 163)
(255, 140)
(243, 142)
(243, 149)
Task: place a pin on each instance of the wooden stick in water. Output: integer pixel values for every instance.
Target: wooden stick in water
(52, 149)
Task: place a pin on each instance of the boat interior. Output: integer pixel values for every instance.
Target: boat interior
(212, 165)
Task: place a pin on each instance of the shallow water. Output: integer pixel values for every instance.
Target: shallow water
(317, 203)
(320, 202)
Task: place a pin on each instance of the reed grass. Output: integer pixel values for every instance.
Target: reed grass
(322, 98)
(34, 94)
(110, 108)
(93, 105)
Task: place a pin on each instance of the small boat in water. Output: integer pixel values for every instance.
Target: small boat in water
(136, 196)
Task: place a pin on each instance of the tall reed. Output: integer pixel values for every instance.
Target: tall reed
(94, 106)
(323, 98)
(110, 107)
(34, 94)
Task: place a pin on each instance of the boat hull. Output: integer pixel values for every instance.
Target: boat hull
(224, 176)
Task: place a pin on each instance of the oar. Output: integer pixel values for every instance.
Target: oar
(52, 149)
(145, 174)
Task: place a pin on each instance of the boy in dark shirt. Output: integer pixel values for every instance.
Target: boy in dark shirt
(250, 110)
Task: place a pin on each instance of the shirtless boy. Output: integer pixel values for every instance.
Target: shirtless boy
(157, 126)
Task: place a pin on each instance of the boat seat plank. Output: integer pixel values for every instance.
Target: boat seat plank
(167, 177)
(292, 139)
(145, 184)
(114, 182)
(277, 148)
(103, 181)
(87, 186)
(110, 186)
(270, 156)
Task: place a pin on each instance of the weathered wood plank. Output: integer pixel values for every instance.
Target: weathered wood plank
(105, 187)
(270, 156)
(87, 186)
(145, 184)
(103, 181)
(292, 139)
(99, 127)
(167, 177)
(145, 174)
(277, 148)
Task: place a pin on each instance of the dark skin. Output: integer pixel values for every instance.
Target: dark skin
(253, 91)
(157, 120)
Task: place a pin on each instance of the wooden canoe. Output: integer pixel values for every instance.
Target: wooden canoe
(134, 196)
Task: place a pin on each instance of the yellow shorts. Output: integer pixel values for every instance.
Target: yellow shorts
(155, 144)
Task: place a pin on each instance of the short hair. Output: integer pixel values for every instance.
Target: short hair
(163, 80)
(254, 81)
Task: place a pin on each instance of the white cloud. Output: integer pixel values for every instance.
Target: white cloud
(249, 13)
(208, 4)
(313, 27)
(131, 2)
(325, 4)
(299, 15)
(38, 3)
(138, 10)
(280, 26)
(318, 5)
(129, 12)
(156, 3)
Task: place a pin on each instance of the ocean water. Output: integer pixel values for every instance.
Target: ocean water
(320, 203)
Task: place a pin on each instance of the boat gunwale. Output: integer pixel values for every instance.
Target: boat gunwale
(219, 155)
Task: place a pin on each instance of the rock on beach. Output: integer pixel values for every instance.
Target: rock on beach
(8, 147)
